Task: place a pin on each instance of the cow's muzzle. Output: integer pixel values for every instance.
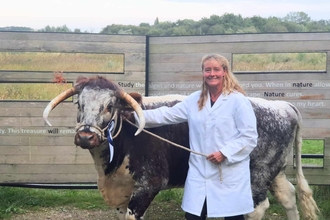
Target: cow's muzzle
(87, 139)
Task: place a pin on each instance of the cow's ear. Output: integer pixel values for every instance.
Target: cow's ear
(81, 79)
(136, 96)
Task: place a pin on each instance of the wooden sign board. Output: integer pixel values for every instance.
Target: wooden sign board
(175, 68)
(34, 68)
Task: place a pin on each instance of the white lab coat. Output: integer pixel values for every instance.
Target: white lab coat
(228, 126)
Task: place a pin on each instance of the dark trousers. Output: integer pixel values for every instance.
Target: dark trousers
(203, 215)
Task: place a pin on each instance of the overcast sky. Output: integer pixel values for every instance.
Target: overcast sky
(93, 15)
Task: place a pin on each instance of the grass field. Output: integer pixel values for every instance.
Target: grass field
(32, 91)
(67, 62)
(16, 201)
(279, 62)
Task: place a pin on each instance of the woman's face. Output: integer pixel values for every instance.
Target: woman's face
(213, 73)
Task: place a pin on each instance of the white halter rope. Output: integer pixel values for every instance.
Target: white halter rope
(175, 144)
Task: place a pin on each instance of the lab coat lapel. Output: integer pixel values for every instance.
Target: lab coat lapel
(218, 103)
(208, 107)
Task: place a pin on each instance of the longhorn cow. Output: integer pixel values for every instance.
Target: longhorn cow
(132, 169)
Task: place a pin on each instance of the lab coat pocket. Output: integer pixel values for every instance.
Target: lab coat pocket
(225, 127)
(233, 174)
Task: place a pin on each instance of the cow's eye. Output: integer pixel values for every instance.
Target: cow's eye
(109, 107)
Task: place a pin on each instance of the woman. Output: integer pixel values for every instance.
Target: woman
(222, 125)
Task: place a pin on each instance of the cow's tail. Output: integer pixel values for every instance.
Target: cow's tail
(308, 205)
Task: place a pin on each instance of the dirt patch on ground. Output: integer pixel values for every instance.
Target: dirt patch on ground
(66, 213)
(165, 211)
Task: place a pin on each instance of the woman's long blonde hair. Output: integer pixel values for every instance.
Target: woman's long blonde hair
(230, 82)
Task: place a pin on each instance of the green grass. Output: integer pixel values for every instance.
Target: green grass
(14, 200)
(67, 62)
(312, 147)
(279, 62)
(32, 91)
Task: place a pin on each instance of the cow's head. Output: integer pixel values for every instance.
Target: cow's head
(99, 103)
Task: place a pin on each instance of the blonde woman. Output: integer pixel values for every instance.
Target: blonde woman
(222, 125)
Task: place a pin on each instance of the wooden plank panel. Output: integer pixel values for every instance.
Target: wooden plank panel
(277, 37)
(246, 47)
(195, 68)
(62, 109)
(132, 59)
(20, 140)
(286, 75)
(43, 150)
(327, 152)
(314, 176)
(47, 169)
(45, 159)
(85, 37)
(163, 75)
(169, 58)
(48, 178)
(315, 113)
(46, 77)
(316, 123)
(71, 47)
(318, 133)
(37, 121)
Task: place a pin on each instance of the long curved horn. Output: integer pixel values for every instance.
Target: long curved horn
(137, 108)
(57, 100)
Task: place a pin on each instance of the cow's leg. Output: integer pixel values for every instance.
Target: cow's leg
(121, 213)
(260, 180)
(140, 201)
(259, 211)
(284, 192)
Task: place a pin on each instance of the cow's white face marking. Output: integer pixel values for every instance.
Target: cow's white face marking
(93, 104)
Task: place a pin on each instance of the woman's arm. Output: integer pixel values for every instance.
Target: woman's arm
(245, 120)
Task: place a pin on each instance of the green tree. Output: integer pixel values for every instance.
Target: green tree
(259, 23)
(297, 17)
(295, 27)
(274, 24)
(15, 28)
(156, 21)
(231, 21)
(217, 29)
(48, 28)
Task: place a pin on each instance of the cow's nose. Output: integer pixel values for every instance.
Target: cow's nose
(84, 136)
(86, 140)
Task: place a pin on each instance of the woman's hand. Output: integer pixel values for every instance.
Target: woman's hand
(216, 157)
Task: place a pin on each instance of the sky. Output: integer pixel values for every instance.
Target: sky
(93, 15)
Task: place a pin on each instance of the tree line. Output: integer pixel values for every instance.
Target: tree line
(225, 24)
